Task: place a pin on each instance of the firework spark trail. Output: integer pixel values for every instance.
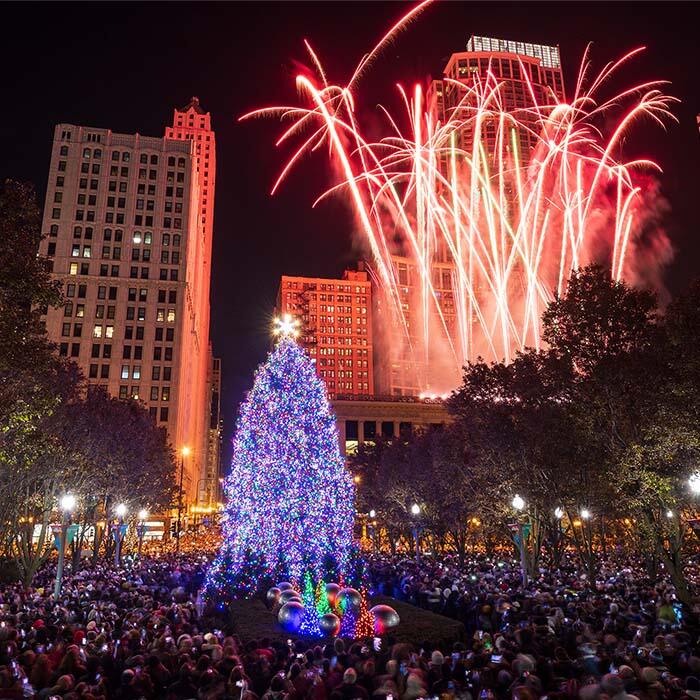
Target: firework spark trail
(507, 235)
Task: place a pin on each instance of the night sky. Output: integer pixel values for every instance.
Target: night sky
(125, 66)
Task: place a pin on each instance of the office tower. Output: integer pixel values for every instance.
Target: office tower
(524, 72)
(210, 492)
(335, 324)
(128, 228)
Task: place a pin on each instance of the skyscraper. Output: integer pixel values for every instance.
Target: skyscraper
(524, 73)
(128, 220)
(335, 325)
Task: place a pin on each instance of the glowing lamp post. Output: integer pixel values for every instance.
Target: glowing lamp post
(184, 453)
(415, 513)
(141, 528)
(518, 504)
(67, 504)
(119, 530)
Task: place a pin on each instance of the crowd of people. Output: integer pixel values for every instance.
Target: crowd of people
(144, 631)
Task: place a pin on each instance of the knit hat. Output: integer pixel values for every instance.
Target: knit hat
(437, 659)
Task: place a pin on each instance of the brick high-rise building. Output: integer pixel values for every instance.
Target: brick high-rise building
(128, 220)
(335, 317)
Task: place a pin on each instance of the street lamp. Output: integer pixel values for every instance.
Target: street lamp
(141, 528)
(184, 453)
(415, 512)
(67, 504)
(694, 483)
(558, 512)
(585, 513)
(119, 529)
(518, 504)
(669, 514)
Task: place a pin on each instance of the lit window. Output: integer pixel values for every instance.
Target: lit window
(136, 374)
(73, 269)
(109, 331)
(125, 371)
(160, 315)
(165, 394)
(97, 332)
(137, 237)
(75, 251)
(87, 251)
(171, 315)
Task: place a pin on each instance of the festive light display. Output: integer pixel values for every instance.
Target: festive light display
(309, 622)
(364, 626)
(484, 241)
(289, 514)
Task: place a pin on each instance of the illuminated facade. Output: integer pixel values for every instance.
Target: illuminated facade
(362, 421)
(523, 71)
(335, 324)
(128, 233)
(209, 491)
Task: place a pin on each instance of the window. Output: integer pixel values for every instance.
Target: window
(68, 309)
(87, 251)
(97, 332)
(154, 393)
(169, 335)
(73, 269)
(125, 372)
(109, 331)
(168, 354)
(104, 372)
(112, 293)
(166, 373)
(75, 251)
(63, 350)
(123, 392)
(82, 291)
(95, 350)
(164, 413)
(126, 352)
(173, 275)
(77, 330)
(141, 314)
(159, 334)
(63, 150)
(139, 332)
(160, 315)
(157, 353)
(107, 351)
(93, 372)
(80, 310)
(65, 329)
(104, 270)
(136, 372)
(155, 373)
(84, 268)
(171, 315)
(70, 290)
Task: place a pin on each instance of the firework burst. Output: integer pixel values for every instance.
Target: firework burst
(469, 239)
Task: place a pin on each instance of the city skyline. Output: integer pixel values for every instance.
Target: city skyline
(253, 230)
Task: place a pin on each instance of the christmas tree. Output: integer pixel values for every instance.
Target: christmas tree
(290, 499)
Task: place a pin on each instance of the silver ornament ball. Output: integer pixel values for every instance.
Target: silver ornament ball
(287, 595)
(349, 597)
(332, 590)
(290, 616)
(329, 624)
(273, 595)
(385, 617)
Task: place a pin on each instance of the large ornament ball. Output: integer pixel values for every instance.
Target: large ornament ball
(385, 617)
(273, 595)
(329, 624)
(287, 595)
(290, 616)
(284, 586)
(332, 590)
(349, 597)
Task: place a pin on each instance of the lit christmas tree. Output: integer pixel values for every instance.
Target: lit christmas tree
(322, 604)
(309, 623)
(290, 498)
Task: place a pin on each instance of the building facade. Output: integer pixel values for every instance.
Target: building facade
(209, 491)
(335, 326)
(128, 233)
(362, 421)
(524, 72)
